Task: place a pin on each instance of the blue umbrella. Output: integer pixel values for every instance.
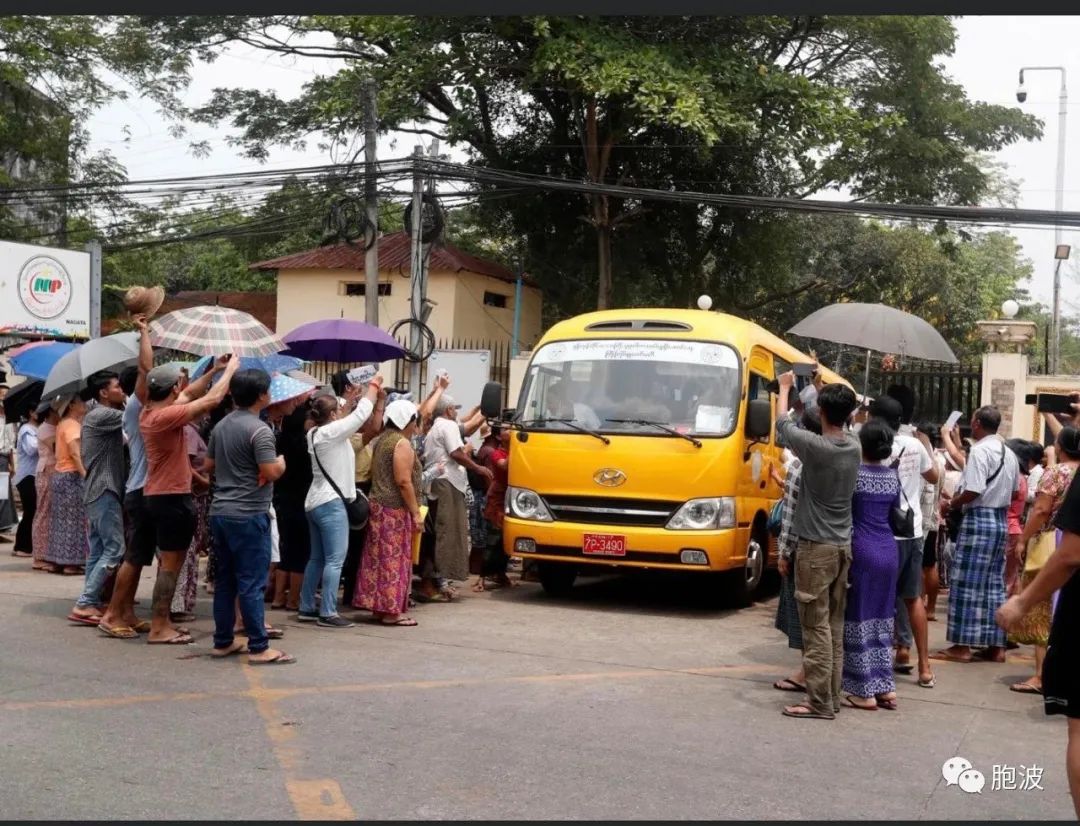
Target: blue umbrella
(36, 362)
(271, 364)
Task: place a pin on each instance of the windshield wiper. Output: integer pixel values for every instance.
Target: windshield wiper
(570, 423)
(659, 426)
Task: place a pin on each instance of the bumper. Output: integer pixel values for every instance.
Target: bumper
(645, 547)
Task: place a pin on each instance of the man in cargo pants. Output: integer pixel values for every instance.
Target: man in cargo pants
(822, 524)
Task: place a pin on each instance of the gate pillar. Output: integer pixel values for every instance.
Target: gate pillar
(1005, 370)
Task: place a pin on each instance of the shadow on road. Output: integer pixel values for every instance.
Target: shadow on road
(650, 593)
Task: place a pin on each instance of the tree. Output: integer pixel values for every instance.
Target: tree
(54, 72)
(760, 105)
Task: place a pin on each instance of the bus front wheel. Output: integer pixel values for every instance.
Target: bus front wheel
(744, 583)
(557, 579)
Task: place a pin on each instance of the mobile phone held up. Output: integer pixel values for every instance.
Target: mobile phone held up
(1051, 402)
(803, 370)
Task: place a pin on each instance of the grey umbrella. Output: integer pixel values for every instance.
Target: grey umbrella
(876, 327)
(68, 376)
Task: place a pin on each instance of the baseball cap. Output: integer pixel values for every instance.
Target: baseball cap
(401, 412)
(163, 377)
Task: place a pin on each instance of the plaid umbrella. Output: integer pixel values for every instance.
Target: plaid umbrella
(214, 331)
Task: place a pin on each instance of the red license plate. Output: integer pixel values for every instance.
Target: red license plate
(603, 544)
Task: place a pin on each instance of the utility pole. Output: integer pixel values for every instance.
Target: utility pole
(371, 205)
(418, 289)
(94, 248)
(515, 345)
(1060, 251)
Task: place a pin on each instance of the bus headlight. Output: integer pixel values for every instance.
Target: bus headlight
(704, 515)
(526, 504)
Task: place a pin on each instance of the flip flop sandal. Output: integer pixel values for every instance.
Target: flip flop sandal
(117, 632)
(809, 714)
(405, 622)
(178, 639)
(280, 659)
(80, 620)
(941, 655)
(888, 705)
(787, 684)
(232, 650)
(142, 626)
(850, 703)
(928, 683)
(1025, 688)
(903, 668)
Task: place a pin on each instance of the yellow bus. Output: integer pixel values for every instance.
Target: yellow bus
(644, 439)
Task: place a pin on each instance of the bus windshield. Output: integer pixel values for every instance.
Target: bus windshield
(632, 385)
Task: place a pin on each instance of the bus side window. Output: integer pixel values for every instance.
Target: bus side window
(758, 388)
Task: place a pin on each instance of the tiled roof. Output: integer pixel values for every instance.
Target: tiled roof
(395, 253)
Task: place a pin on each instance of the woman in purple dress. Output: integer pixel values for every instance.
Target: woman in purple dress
(871, 600)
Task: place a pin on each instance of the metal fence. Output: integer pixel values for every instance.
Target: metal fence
(939, 388)
(397, 372)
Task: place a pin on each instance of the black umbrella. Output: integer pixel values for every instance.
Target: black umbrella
(22, 398)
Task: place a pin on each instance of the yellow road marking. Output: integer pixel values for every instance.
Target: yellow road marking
(260, 693)
(320, 799)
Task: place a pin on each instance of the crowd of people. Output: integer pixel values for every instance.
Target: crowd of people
(339, 494)
(878, 516)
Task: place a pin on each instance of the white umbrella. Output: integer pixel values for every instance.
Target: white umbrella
(876, 327)
(68, 376)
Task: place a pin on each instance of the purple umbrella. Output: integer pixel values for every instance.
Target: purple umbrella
(341, 340)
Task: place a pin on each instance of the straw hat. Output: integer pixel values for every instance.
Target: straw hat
(147, 300)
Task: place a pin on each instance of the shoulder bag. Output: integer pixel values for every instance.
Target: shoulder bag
(358, 510)
(954, 517)
(901, 522)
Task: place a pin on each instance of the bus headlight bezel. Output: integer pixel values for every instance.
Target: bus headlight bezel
(523, 503)
(710, 513)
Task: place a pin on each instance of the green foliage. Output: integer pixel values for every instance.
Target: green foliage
(54, 73)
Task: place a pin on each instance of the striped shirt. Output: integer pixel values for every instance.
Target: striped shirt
(103, 453)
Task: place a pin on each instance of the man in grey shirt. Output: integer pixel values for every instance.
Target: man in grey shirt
(103, 457)
(822, 524)
(243, 458)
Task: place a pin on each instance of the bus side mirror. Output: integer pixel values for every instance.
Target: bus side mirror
(758, 419)
(491, 400)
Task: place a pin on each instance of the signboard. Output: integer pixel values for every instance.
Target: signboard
(616, 349)
(44, 290)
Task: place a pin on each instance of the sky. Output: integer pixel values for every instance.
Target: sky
(989, 53)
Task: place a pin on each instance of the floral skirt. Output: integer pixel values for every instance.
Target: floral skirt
(69, 539)
(1034, 628)
(386, 563)
(188, 581)
(43, 483)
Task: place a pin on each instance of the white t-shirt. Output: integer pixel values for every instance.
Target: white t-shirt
(914, 462)
(442, 440)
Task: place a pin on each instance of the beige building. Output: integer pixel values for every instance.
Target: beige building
(473, 298)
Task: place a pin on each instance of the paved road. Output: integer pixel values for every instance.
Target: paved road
(621, 702)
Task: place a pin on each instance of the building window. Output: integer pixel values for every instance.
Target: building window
(359, 288)
(494, 300)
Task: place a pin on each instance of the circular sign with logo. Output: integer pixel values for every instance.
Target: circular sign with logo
(44, 287)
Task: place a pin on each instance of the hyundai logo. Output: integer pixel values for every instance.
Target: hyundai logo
(609, 477)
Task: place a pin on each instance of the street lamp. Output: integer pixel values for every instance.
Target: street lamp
(1059, 204)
